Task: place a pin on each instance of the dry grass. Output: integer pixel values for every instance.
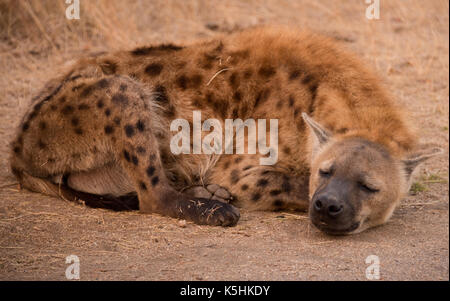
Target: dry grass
(408, 47)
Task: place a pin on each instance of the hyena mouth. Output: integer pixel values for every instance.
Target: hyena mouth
(324, 227)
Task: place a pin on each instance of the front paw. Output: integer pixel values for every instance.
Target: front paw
(214, 213)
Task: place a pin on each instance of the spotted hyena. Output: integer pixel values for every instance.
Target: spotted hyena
(100, 133)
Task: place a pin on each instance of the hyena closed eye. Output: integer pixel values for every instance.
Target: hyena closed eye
(101, 132)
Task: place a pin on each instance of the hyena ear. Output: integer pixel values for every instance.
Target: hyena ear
(414, 159)
(323, 136)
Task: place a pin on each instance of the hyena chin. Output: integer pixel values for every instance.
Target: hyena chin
(355, 184)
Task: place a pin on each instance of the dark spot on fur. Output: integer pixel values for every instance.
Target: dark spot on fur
(307, 79)
(185, 82)
(100, 104)
(238, 160)
(155, 180)
(120, 98)
(102, 84)
(256, 197)
(38, 106)
(155, 49)
(140, 150)
(196, 80)
(235, 113)
(117, 120)
(237, 96)
(68, 109)
(313, 89)
(247, 167)
(78, 131)
(62, 99)
(75, 121)
(279, 104)
(41, 144)
(248, 73)
(83, 107)
(262, 183)
(182, 81)
(294, 74)
(17, 149)
(32, 115)
(135, 160)
(278, 203)
(286, 150)
(234, 176)
(342, 130)
(275, 192)
(140, 125)
(76, 156)
(244, 187)
(150, 171)
(42, 125)
(296, 111)
(123, 88)
(126, 155)
(262, 96)
(53, 107)
(161, 94)
(153, 69)
(143, 186)
(197, 103)
(87, 91)
(129, 130)
(291, 100)
(234, 80)
(107, 112)
(267, 71)
(109, 129)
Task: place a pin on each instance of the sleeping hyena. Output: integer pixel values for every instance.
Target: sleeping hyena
(101, 132)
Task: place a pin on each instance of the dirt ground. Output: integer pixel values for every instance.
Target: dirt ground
(408, 48)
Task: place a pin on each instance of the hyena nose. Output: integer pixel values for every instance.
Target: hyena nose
(328, 205)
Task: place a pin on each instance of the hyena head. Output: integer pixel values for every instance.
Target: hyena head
(356, 184)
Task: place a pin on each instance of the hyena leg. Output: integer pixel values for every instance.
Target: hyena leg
(108, 120)
(262, 187)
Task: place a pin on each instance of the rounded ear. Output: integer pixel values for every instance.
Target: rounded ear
(414, 159)
(323, 136)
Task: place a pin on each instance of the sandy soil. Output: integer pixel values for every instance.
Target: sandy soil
(407, 46)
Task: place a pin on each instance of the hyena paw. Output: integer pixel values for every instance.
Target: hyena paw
(210, 192)
(213, 213)
(221, 214)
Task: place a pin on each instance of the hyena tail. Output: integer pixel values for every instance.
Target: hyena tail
(62, 190)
